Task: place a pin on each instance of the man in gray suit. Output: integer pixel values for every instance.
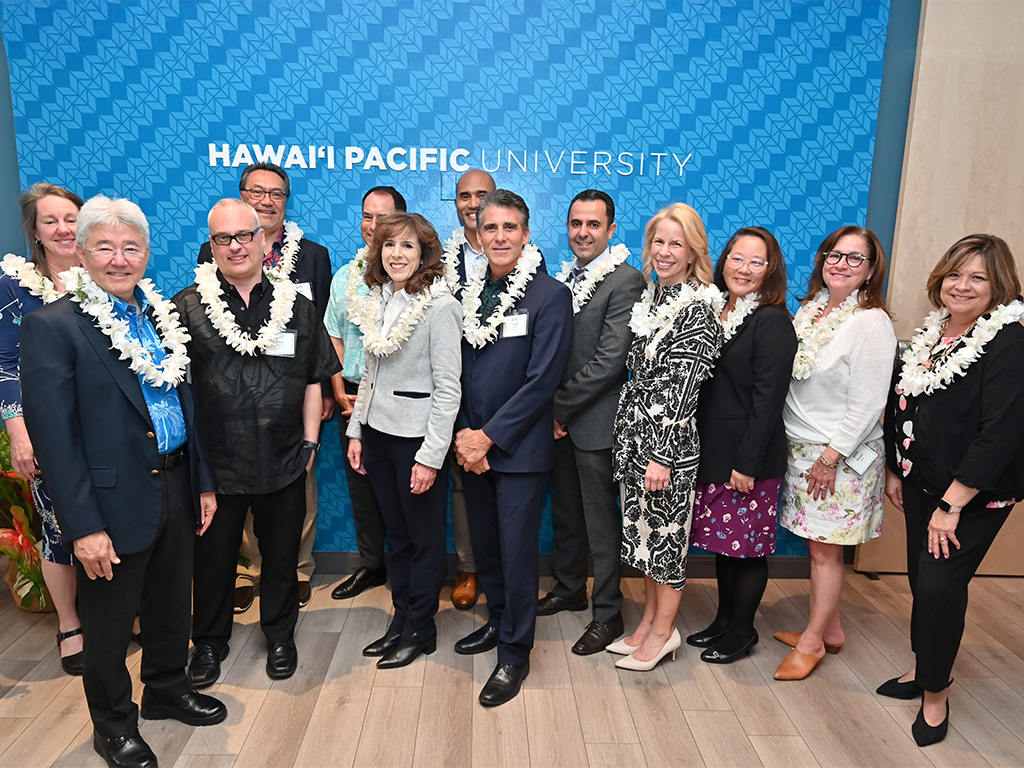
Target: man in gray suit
(584, 503)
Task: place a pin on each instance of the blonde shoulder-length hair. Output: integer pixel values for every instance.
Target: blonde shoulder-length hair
(694, 234)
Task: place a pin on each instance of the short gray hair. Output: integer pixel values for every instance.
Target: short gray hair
(502, 198)
(103, 211)
(232, 202)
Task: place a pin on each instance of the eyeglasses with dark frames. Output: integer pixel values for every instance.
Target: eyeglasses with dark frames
(853, 258)
(242, 238)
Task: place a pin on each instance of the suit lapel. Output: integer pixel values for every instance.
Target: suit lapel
(126, 379)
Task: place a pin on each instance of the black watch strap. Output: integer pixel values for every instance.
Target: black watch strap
(311, 444)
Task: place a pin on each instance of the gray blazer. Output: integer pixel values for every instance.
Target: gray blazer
(596, 370)
(415, 391)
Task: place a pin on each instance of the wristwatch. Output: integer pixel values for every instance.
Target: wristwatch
(311, 444)
(949, 509)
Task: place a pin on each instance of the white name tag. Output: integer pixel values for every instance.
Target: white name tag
(860, 459)
(305, 289)
(515, 325)
(284, 346)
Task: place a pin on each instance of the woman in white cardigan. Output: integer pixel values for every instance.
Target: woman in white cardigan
(402, 422)
(832, 491)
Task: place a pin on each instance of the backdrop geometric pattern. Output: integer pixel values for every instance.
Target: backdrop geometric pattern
(774, 103)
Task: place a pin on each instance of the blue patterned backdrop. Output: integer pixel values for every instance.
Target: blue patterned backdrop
(758, 113)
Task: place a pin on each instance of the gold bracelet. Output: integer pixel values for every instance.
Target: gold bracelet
(827, 463)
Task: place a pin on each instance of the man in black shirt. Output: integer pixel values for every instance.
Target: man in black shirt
(259, 352)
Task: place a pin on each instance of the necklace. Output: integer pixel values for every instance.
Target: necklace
(481, 335)
(367, 312)
(812, 337)
(450, 256)
(281, 307)
(289, 252)
(356, 273)
(655, 321)
(924, 371)
(97, 304)
(745, 305)
(28, 277)
(585, 288)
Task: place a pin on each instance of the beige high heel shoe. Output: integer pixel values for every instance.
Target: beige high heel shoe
(670, 647)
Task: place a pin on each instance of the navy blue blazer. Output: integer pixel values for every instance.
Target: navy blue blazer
(508, 387)
(92, 434)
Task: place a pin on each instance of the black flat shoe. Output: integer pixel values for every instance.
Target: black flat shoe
(192, 708)
(75, 663)
(480, 641)
(126, 751)
(282, 660)
(925, 734)
(551, 603)
(382, 645)
(715, 656)
(704, 638)
(406, 650)
(360, 581)
(204, 669)
(894, 689)
(504, 684)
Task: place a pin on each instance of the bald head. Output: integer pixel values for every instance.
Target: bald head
(473, 186)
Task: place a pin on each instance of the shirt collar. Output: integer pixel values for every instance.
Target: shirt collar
(230, 289)
(123, 309)
(595, 262)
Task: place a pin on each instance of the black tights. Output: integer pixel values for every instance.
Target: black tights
(741, 585)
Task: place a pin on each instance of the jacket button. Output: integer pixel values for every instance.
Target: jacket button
(150, 434)
(154, 471)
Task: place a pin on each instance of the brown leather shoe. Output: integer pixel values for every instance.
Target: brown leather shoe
(464, 593)
(797, 666)
(305, 593)
(599, 636)
(792, 638)
(244, 597)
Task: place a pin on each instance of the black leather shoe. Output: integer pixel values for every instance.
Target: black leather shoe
(129, 750)
(926, 735)
(282, 659)
(73, 664)
(551, 603)
(406, 650)
(191, 708)
(598, 636)
(894, 689)
(480, 641)
(504, 684)
(716, 656)
(204, 669)
(382, 645)
(360, 581)
(704, 638)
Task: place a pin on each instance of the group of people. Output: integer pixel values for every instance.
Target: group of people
(671, 406)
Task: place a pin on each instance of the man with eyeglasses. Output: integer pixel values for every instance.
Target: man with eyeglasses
(259, 356)
(266, 187)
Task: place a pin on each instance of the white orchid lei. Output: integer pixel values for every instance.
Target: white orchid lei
(28, 277)
(281, 307)
(811, 336)
(367, 312)
(450, 256)
(922, 376)
(97, 304)
(657, 323)
(289, 252)
(745, 305)
(480, 335)
(355, 274)
(616, 255)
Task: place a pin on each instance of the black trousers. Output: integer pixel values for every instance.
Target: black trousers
(277, 522)
(584, 508)
(504, 522)
(366, 514)
(415, 529)
(155, 583)
(940, 586)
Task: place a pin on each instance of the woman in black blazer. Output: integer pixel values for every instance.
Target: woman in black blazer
(742, 438)
(954, 450)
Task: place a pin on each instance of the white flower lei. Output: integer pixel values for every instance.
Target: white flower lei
(745, 305)
(281, 308)
(367, 312)
(289, 251)
(811, 336)
(355, 274)
(643, 323)
(920, 376)
(450, 256)
(617, 254)
(480, 335)
(97, 303)
(28, 277)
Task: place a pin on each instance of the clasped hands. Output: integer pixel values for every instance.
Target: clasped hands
(471, 447)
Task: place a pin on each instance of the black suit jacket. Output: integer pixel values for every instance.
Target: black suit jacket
(739, 412)
(92, 433)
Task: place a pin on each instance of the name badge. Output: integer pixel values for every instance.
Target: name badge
(284, 346)
(305, 289)
(516, 324)
(860, 459)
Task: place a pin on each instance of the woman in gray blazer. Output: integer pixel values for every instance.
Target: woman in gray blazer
(402, 423)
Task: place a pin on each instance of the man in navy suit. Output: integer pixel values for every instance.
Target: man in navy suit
(516, 340)
(117, 441)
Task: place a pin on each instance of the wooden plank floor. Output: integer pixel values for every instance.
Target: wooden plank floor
(339, 710)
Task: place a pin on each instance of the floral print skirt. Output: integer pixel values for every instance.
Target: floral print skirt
(851, 515)
(728, 522)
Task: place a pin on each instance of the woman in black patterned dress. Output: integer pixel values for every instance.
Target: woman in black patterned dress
(676, 339)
